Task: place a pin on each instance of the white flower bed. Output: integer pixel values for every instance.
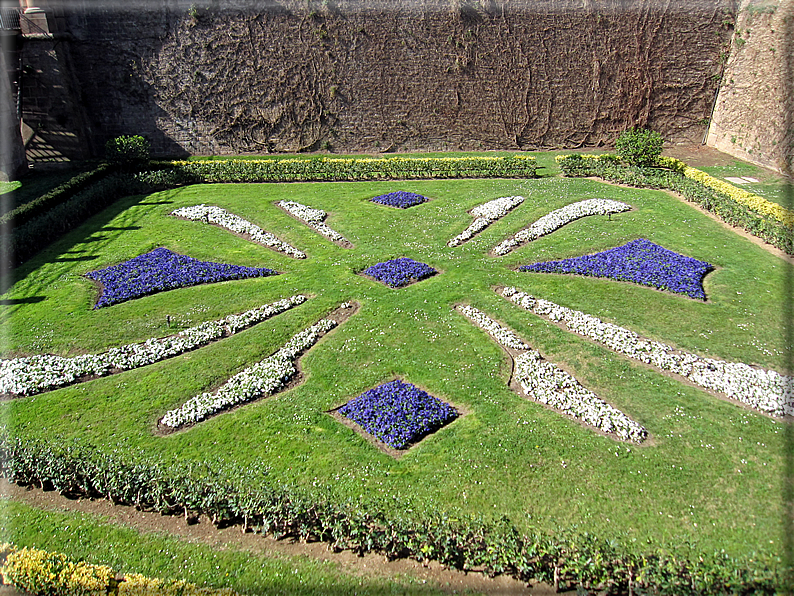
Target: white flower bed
(234, 223)
(33, 374)
(544, 382)
(313, 218)
(263, 378)
(502, 336)
(547, 384)
(485, 215)
(764, 390)
(558, 218)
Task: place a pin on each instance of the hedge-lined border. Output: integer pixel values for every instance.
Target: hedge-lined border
(698, 187)
(57, 195)
(42, 572)
(250, 497)
(84, 200)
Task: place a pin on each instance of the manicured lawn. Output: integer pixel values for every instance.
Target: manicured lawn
(94, 540)
(710, 475)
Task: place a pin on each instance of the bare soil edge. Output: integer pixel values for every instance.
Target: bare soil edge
(384, 447)
(516, 387)
(115, 371)
(344, 243)
(246, 237)
(202, 531)
(339, 315)
(679, 378)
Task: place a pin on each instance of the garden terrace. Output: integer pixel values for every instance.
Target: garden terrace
(707, 477)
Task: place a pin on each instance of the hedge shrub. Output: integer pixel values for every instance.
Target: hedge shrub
(57, 195)
(252, 499)
(692, 187)
(639, 146)
(128, 151)
(52, 574)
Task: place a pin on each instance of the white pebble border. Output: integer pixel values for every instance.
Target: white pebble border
(238, 225)
(485, 215)
(558, 218)
(33, 374)
(313, 218)
(764, 390)
(263, 378)
(546, 383)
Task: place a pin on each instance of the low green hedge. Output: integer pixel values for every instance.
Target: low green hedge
(88, 194)
(768, 227)
(352, 169)
(57, 195)
(250, 497)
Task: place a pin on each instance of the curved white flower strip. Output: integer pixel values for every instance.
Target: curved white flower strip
(313, 218)
(544, 382)
(485, 215)
(558, 218)
(764, 390)
(234, 223)
(263, 378)
(33, 374)
(502, 336)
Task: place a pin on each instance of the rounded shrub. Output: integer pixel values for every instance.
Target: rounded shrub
(128, 150)
(639, 146)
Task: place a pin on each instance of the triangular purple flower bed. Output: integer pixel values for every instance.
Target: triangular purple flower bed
(398, 413)
(162, 269)
(639, 261)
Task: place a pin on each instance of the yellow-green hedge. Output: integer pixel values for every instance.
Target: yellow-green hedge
(42, 572)
(752, 201)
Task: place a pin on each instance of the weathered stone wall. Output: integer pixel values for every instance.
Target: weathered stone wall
(753, 115)
(296, 75)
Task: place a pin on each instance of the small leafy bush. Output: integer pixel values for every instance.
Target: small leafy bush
(130, 151)
(639, 146)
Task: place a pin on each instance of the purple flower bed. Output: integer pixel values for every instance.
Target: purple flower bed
(639, 261)
(399, 272)
(398, 413)
(161, 270)
(400, 198)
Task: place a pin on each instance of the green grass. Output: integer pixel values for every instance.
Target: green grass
(90, 538)
(770, 185)
(710, 476)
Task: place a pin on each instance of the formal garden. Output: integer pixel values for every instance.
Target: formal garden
(564, 368)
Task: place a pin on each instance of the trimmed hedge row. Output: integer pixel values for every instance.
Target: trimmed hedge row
(92, 193)
(352, 169)
(57, 195)
(711, 198)
(251, 498)
(41, 572)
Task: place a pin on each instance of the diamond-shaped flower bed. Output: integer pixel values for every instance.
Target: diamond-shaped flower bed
(398, 413)
(639, 261)
(162, 269)
(399, 272)
(400, 198)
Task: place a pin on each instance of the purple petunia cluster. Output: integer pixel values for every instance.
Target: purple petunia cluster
(398, 413)
(399, 272)
(400, 198)
(162, 269)
(639, 261)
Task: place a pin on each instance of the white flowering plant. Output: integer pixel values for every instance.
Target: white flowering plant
(485, 215)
